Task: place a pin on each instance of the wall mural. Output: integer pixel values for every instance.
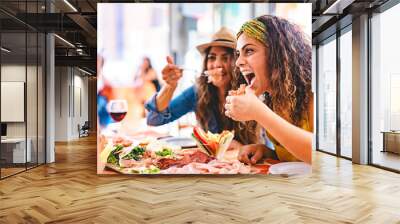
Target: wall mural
(187, 88)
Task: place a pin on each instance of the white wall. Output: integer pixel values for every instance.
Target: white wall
(71, 94)
(33, 127)
(16, 73)
(61, 103)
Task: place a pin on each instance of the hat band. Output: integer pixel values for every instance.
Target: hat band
(224, 40)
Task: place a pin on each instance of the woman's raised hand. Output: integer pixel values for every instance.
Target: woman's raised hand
(171, 73)
(243, 107)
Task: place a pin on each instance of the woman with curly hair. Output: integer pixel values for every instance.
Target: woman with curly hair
(274, 56)
(207, 97)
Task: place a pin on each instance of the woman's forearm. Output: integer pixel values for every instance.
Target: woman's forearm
(164, 97)
(296, 140)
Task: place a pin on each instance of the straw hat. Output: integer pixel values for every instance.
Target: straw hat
(223, 38)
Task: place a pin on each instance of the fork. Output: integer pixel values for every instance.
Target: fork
(205, 73)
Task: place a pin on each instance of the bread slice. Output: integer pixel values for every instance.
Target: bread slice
(214, 144)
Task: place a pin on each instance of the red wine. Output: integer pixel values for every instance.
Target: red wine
(118, 116)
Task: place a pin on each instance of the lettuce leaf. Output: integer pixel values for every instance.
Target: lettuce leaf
(113, 158)
(165, 152)
(136, 153)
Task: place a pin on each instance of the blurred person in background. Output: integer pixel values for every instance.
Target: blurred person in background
(104, 94)
(207, 96)
(145, 85)
(274, 56)
(146, 73)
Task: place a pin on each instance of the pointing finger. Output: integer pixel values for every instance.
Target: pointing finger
(170, 60)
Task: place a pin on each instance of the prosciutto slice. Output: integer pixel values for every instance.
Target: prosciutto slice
(186, 158)
(213, 167)
(127, 163)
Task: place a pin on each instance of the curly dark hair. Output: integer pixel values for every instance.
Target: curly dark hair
(208, 103)
(289, 62)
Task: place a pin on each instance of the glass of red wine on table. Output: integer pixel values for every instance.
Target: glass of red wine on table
(117, 109)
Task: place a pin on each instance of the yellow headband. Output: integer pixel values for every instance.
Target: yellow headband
(254, 29)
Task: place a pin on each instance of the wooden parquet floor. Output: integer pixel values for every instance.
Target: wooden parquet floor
(69, 191)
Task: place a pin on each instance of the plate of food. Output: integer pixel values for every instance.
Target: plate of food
(165, 157)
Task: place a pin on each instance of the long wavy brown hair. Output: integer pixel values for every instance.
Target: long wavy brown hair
(289, 62)
(208, 103)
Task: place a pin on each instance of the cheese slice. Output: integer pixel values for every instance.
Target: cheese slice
(105, 153)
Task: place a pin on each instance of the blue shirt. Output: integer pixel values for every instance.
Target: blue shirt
(184, 103)
(104, 116)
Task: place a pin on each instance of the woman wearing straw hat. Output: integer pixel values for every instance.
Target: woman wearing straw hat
(207, 97)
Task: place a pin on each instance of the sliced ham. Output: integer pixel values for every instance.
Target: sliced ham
(117, 140)
(213, 167)
(186, 158)
(260, 168)
(133, 163)
(120, 140)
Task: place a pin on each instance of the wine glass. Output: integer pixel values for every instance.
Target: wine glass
(117, 109)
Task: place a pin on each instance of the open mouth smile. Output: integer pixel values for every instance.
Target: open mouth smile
(249, 77)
